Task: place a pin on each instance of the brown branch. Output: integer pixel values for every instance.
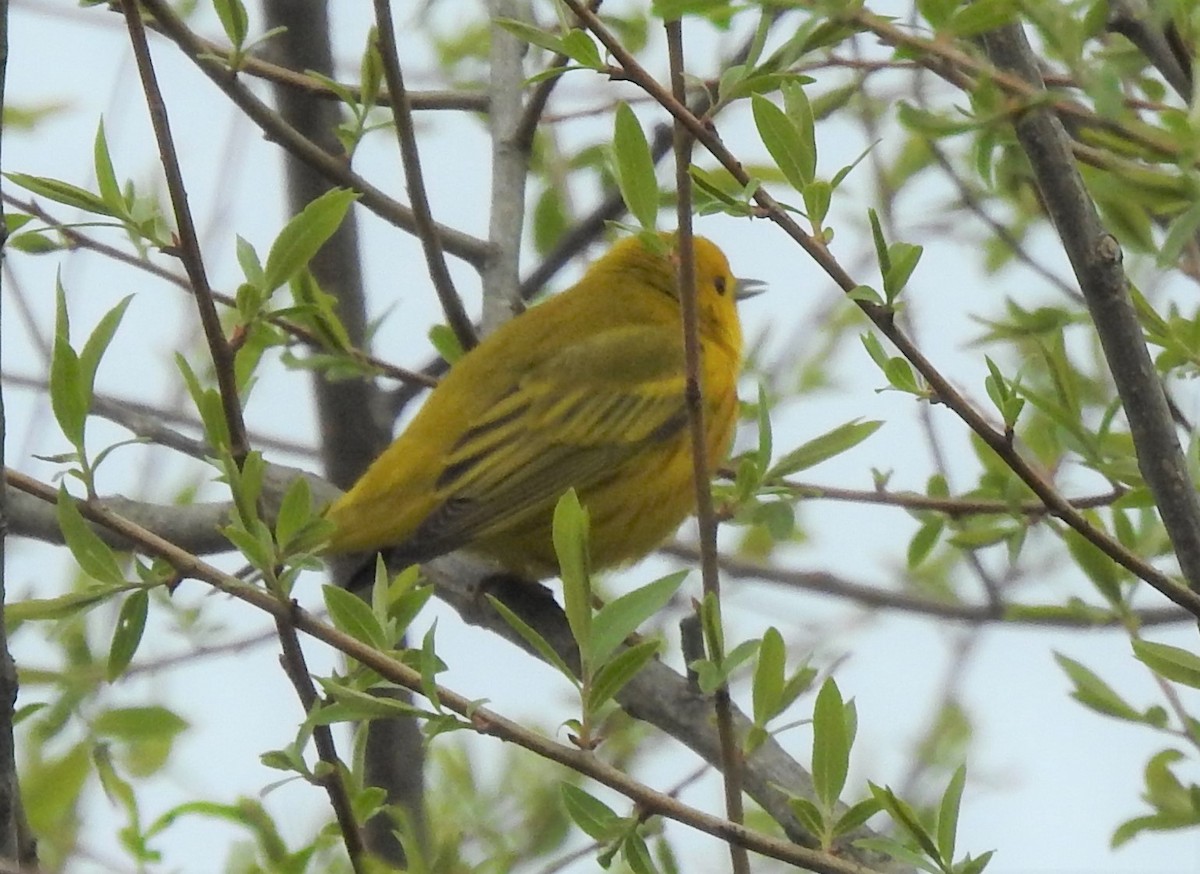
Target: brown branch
(1004, 613)
(731, 754)
(426, 227)
(189, 243)
(940, 388)
(953, 507)
(333, 780)
(470, 249)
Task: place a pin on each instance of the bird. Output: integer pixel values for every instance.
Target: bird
(586, 391)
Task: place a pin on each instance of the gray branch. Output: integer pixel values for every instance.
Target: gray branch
(1096, 259)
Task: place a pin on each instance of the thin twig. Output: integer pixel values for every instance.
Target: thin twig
(955, 508)
(189, 244)
(705, 516)
(426, 227)
(940, 388)
(471, 249)
(1006, 613)
(333, 780)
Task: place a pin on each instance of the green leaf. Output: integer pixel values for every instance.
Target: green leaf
(635, 167)
(905, 817)
(831, 745)
(947, 821)
(981, 16)
(1104, 573)
(138, 723)
(615, 621)
(839, 440)
(92, 554)
(800, 113)
(591, 814)
(353, 705)
(809, 815)
(62, 192)
(304, 235)
(68, 397)
(903, 259)
(352, 615)
(39, 609)
(767, 688)
(295, 511)
(925, 540)
(637, 855)
(127, 635)
(612, 677)
(1169, 661)
(234, 20)
(538, 643)
(106, 177)
(532, 35)
(247, 259)
(856, 816)
(1095, 694)
(570, 545)
(97, 344)
(784, 143)
(581, 48)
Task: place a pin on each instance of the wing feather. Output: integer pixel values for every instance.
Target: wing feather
(570, 422)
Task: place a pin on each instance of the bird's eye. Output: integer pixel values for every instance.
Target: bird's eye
(720, 284)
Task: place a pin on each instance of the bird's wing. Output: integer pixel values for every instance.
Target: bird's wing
(572, 421)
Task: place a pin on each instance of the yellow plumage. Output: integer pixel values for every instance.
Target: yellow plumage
(585, 390)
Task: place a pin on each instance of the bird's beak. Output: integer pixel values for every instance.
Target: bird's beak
(748, 288)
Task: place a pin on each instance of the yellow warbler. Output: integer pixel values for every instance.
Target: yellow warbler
(585, 390)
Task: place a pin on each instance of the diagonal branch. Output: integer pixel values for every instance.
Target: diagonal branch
(189, 243)
(941, 388)
(1096, 258)
(461, 245)
(426, 227)
(706, 518)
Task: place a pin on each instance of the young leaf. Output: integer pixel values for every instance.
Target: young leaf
(947, 821)
(839, 440)
(596, 818)
(93, 555)
(106, 177)
(352, 615)
(615, 621)
(539, 644)
(831, 745)
(307, 232)
(68, 398)
(1094, 693)
(612, 677)
(128, 634)
(97, 344)
(783, 142)
(767, 689)
(635, 167)
(1171, 662)
(570, 545)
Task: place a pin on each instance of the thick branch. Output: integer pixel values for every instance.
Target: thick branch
(1096, 258)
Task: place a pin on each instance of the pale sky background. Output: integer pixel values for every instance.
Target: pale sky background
(1048, 780)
